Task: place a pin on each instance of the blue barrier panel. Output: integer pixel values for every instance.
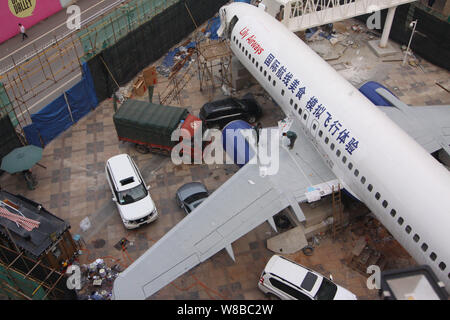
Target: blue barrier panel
(82, 97)
(56, 117)
(52, 119)
(32, 135)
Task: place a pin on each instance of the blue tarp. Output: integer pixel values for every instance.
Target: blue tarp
(57, 116)
(368, 89)
(212, 27)
(32, 135)
(52, 119)
(247, 1)
(169, 59)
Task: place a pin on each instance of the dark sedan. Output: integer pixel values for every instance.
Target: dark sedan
(190, 195)
(217, 114)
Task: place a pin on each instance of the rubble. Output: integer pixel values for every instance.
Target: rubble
(97, 280)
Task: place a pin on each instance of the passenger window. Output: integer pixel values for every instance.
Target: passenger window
(400, 221)
(424, 247)
(282, 92)
(295, 106)
(265, 73)
(416, 238)
(363, 179)
(408, 229)
(433, 256)
(300, 110)
(377, 196)
(338, 153)
(270, 78)
(320, 133)
(291, 102)
(356, 172)
(314, 126)
(350, 166)
(305, 116)
(331, 145)
(442, 266)
(393, 212)
(384, 204)
(326, 140)
(274, 83)
(344, 159)
(257, 64)
(369, 187)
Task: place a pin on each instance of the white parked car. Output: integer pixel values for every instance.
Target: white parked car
(130, 193)
(290, 281)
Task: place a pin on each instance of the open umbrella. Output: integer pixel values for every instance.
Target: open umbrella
(21, 159)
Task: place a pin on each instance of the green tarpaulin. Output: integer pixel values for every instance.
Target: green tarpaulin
(148, 122)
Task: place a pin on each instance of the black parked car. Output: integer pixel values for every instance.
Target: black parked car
(219, 113)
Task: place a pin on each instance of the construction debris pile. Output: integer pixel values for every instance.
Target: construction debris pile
(97, 280)
(180, 57)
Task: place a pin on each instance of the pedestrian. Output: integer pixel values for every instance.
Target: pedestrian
(292, 136)
(22, 31)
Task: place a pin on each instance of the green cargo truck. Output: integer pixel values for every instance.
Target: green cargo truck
(149, 126)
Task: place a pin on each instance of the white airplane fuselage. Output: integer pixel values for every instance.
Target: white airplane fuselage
(375, 160)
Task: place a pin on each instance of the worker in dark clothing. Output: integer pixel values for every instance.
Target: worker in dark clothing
(292, 136)
(257, 127)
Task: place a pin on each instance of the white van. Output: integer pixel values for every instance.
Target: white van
(130, 193)
(290, 281)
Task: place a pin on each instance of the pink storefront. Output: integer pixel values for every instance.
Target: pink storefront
(26, 12)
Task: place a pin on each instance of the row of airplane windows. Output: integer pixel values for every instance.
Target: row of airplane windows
(384, 203)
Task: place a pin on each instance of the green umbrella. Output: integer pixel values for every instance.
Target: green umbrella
(21, 159)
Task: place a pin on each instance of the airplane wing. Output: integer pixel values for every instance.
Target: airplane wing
(428, 125)
(242, 203)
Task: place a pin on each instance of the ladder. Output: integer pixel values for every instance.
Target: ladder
(337, 210)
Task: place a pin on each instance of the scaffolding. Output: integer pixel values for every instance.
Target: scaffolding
(22, 277)
(213, 59)
(28, 83)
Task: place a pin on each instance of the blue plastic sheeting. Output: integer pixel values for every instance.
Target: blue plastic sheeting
(368, 89)
(57, 116)
(169, 59)
(246, 1)
(82, 97)
(52, 119)
(32, 135)
(212, 27)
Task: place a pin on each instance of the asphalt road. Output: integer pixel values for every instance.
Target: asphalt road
(38, 88)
